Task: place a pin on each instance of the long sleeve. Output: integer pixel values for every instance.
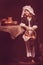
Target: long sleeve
(24, 20)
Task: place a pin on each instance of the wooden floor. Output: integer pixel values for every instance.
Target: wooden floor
(19, 63)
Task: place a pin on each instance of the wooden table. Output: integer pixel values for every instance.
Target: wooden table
(14, 30)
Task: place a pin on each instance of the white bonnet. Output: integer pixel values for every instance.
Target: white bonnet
(29, 8)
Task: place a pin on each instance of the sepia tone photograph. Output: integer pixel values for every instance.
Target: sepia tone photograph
(21, 32)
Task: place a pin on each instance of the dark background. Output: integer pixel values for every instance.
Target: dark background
(14, 8)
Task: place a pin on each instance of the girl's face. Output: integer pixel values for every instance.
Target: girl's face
(27, 13)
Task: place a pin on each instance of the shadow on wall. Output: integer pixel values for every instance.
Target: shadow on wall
(10, 48)
(6, 46)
